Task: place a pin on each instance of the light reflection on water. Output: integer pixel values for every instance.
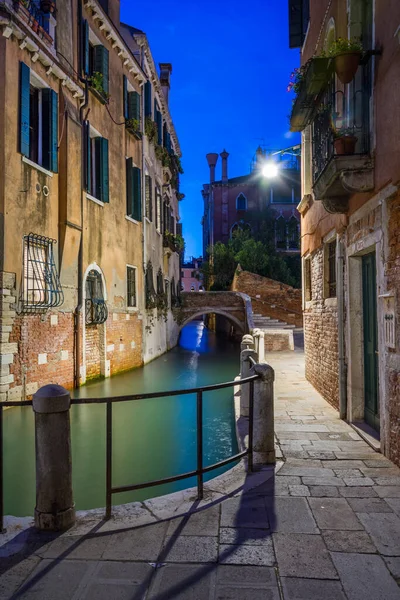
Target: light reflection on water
(151, 438)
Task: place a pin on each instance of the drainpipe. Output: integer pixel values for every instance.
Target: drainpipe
(144, 236)
(341, 314)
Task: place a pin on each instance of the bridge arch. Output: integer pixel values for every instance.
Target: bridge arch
(216, 311)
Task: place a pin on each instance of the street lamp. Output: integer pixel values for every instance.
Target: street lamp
(270, 170)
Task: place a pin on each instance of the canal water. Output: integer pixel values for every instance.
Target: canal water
(152, 439)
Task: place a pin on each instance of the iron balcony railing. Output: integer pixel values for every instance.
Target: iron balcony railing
(200, 470)
(37, 12)
(342, 110)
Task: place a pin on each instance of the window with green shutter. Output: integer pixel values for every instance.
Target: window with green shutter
(137, 194)
(38, 121)
(96, 165)
(147, 99)
(149, 197)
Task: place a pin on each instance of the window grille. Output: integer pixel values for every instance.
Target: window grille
(41, 288)
(160, 282)
(96, 311)
(131, 286)
(241, 202)
(149, 198)
(331, 251)
(149, 282)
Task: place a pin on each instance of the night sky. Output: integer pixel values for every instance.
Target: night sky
(231, 66)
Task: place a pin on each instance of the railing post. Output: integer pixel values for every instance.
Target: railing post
(247, 342)
(1, 473)
(263, 415)
(245, 367)
(54, 509)
(108, 459)
(261, 347)
(200, 445)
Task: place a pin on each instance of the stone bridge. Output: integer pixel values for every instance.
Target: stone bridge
(234, 306)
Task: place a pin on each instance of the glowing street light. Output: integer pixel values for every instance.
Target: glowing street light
(270, 170)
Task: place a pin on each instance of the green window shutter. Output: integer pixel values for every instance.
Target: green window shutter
(50, 130)
(102, 162)
(149, 198)
(137, 194)
(85, 47)
(169, 148)
(134, 106)
(126, 105)
(24, 109)
(101, 64)
(147, 99)
(129, 187)
(88, 158)
(165, 133)
(159, 128)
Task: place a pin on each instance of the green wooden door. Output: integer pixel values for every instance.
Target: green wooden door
(371, 388)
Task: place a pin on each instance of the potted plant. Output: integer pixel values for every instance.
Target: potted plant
(150, 129)
(96, 82)
(347, 55)
(133, 125)
(345, 141)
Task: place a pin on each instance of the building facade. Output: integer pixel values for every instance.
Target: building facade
(350, 209)
(87, 147)
(192, 276)
(229, 202)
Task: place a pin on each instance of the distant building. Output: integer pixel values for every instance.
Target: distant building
(191, 276)
(229, 202)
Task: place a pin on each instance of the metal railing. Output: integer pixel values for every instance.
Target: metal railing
(200, 470)
(342, 109)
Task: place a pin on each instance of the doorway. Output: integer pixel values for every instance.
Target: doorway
(370, 341)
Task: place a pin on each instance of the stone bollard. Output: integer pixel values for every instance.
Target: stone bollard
(247, 342)
(55, 509)
(245, 368)
(263, 423)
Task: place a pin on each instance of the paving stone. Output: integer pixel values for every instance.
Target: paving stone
(182, 583)
(335, 436)
(355, 455)
(322, 454)
(360, 575)
(294, 453)
(393, 564)
(300, 462)
(369, 505)
(242, 512)
(299, 490)
(251, 593)
(250, 537)
(348, 541)
(306, 471)
(301, 555)
(243, 576)
(394, 504)
(205, 522)
(335, 481)
(324, 491)
(379, 472)
(291, 435)
(348, 473)
(143, 543)
(247, 555)
(190, 548)
(387, 481)
(72, 547)
(358, 492)
(13, 575)
(388, 491)
(334, 513)
(358, 481)
(383, 463)
(109, 591)
(345, 464)
(295, 588)
(289, 479)
(290, 515)
(309, 428)
(384, 529)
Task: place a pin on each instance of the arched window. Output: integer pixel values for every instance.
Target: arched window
(293, 233)
(96, 311)
(280, 233)
(192, 288)
(241, 202)
(241, 226)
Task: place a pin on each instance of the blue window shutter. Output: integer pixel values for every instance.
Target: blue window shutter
(50, 130)
(24, 109)
(134, 106)
(101, 64)
(147, 99)
(129, 187)
(88, 158)
(85, 48)
(102, 148)
(126, 105)
(137, 194)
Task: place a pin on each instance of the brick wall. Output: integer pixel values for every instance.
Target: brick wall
(275, 297)
(92, 347)
(321, 336)
(393, 356)
(124, 342)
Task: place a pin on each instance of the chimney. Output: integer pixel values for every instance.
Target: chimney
(165, 76)
(212, 160)
(224, 155)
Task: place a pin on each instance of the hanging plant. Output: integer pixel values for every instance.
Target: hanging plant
(96, 82)
(150, 129)
(347, 54)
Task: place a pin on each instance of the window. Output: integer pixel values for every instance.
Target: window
(299, 16)
(96, 164)
(330, 269)
(280, 233)
(167, 217)
(131, 299)
(133, 191)
(38, 120)
(104, 5)
(293, 233)
(96, 311)
(149, 197)
(132, 112)
(159, 122)
(307, 280)
(94, 61)
(158, 209)
(241, 202)
(41, 288)
(147, 99)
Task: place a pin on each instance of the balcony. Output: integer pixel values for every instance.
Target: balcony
(37, 14)
(341, 161)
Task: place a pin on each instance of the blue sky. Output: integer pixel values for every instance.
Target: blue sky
(231, 66)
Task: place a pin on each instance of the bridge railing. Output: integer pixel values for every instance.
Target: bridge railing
(51, 404)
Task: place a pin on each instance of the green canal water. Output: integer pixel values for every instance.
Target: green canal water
(152, 439)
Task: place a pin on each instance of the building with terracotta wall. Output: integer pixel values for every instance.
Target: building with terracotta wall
(228, 202)
(74, 158)
(350, 209)
(192, 276)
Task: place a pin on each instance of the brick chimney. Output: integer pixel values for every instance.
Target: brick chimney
(165, 77)
(224, 155)
(212, 160)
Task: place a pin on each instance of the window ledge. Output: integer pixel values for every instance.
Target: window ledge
(37, 167)
(131, 220)
(331, 302)
(95, 200)
(132, 309)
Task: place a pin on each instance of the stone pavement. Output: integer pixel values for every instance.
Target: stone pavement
(325, 527)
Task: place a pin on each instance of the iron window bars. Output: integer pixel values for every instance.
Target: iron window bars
(40, 288)
(96, 311)
(331, 269)
(131, 286)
